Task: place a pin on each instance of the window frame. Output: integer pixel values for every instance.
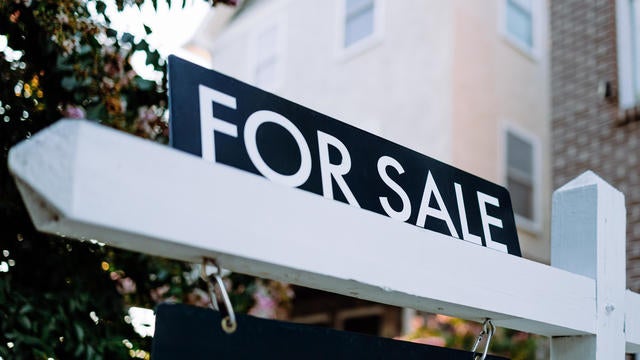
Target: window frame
(533, 225)
(625, 48)
(279, 52)
(345, 52)
(533, 52)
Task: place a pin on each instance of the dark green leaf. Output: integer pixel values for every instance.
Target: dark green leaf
(101, 7)
(96, 112)
(147, 29)
(143, 84)
(143, 45)
(153, 58)
(79, 350)
(69, 82)
(25, 309)
(127, 37)
(29, 340)
(79, 331)
(85, 49)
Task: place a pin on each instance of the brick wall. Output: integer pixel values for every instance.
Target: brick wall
(588, 130)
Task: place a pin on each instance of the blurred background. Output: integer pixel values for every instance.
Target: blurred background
(525, 93)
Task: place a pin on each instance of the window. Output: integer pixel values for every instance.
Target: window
(521, 23)
(628, 26)
(266, 68)
(359, 21)
(521, 177)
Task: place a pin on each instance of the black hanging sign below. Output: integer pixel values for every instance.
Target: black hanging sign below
(187, 332)
(229, 122)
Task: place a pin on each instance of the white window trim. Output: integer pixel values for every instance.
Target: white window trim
(279, 24)
(534, 225)
(625, 56)
(537, 21)
(362, 45)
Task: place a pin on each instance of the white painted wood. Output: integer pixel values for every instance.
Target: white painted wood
(86, 181)
(632, 321)
(98, 183)
(588, 238)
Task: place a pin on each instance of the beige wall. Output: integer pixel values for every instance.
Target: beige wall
(496, 86)
(399, 87)
(441, 79)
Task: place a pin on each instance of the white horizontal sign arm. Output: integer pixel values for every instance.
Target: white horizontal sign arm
(87, 181)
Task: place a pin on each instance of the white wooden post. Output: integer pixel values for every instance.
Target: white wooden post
(588, 238)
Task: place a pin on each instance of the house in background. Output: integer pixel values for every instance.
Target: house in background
(462, 81)
(595, 66)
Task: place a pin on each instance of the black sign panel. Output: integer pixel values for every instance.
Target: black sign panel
(229, 122)
(186, 332)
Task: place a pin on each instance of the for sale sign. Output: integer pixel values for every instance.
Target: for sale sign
(228, 122)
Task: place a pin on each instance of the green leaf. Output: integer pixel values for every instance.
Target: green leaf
(85, 49)
(25, 322)
(29, 340)
(96, 112)
(127, 37)
(79, 350)
(101, 7)
(68, 82)
(79, 331)
(25, 309)
(143, 45)
(147, 29)
(144, 84)
(153, 58)
(61, 64)
(91, 354)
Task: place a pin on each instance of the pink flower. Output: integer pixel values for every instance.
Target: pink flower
(74, 112)
(265, 306)
(158, 293)
(126, 286)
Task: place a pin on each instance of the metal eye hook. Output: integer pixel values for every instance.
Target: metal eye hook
(213, 302)
(488, 329)
(229, 323)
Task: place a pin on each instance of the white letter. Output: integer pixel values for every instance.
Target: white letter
(250, 130)
(463, 218)
(337, 171)
(405, 213)
(487, 220)
(425, 210)
(209, 124)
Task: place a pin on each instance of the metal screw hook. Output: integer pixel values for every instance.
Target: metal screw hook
(488, 329)
(229, 323)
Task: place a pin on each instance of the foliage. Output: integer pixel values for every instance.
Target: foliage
(451, 332)
(62, 298)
